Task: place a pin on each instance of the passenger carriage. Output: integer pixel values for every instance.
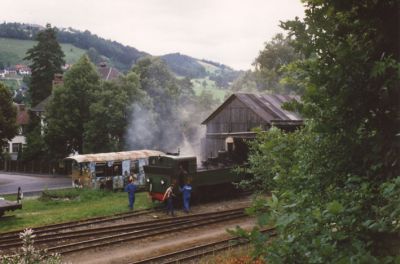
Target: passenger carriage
(108, 170)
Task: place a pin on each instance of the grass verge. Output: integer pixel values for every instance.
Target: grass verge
(68, 205)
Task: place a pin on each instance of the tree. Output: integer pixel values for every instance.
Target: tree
(46, 58)
(271, 62)
(335, 200)
(94, 55)
(110, 114)
(165, 92)
(246, 82)
(69, 109)
(8, 116)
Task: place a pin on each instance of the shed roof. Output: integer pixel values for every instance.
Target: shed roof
(265, 105)
(115, 156)
(41, 107)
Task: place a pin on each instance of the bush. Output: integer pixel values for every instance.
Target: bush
(28, 254)
(320, 217)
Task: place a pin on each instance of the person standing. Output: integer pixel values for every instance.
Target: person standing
(20, 195)
(169, 195)
(186, 191)
(130, 188)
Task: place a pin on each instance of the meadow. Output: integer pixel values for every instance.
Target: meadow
(68, 205)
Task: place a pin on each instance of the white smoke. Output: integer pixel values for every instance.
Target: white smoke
(141, 129)
(182, 132)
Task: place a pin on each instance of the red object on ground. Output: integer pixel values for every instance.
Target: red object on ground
(157, 196)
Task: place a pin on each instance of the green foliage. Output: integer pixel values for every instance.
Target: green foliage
(36, 148)
(271, 62)
(335, 184)
(8, 116)
(69, 109)
(46, 59)
(165, 92)
(109, 114)
(246, 82)
(28, 254)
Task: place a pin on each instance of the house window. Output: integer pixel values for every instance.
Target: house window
(16, 147)
(6, 148)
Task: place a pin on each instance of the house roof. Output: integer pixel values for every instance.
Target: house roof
(41, 107)
(108, 73)
(264, 106)
(115, 156)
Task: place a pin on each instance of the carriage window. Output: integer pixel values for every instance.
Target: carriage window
(100, 169)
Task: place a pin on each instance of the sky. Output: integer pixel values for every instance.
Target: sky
(231, 32)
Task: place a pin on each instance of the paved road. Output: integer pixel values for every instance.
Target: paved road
(31, 183)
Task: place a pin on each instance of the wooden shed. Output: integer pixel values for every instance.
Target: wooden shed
(231, 124)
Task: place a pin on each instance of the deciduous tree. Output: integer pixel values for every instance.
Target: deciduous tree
(336, 199)
(8, 116)
(69, 109)
(270, 64)
(110, 114)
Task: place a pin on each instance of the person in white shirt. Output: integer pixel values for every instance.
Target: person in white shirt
(169, 195)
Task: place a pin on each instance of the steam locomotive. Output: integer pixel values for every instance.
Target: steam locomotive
(215, 178)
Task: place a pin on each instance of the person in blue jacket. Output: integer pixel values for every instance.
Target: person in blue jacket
(130, 188)
(186, 192)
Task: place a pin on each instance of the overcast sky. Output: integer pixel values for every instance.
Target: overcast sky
(226, 31)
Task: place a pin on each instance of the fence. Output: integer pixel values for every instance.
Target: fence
(41, 167)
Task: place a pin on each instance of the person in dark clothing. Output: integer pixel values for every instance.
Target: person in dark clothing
(130, 188)
(20, 195)
(169, 195)
(186, 191)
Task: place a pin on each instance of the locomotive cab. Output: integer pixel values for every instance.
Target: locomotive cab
(164, 170)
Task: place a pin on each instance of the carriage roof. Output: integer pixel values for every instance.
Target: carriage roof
(115, 156)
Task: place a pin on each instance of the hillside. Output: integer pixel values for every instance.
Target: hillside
(12, 51)
(17, 38)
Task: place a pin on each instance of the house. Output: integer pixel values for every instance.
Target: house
(10, 71)
(230, 125)
(22, 69)
(15, 145)
(107, 73)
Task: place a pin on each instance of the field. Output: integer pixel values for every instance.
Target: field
(209, 67)
(68, 205)
(208, 85)
(12, 51)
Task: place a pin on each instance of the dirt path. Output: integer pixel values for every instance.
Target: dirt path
(144, 248)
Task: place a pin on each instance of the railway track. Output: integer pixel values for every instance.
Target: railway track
(68, 241)
(197, 252)
(54, 228)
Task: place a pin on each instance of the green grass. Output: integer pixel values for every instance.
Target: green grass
(210, 86)
(71, 205)
(13, 51)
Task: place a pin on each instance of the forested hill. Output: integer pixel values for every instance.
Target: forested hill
(121, 56)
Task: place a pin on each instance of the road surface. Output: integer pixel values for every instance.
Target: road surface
(31, 183)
